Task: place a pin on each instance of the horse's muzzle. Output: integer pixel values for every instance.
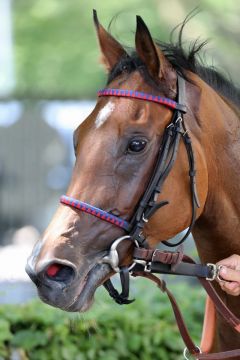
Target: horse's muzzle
(53, 273)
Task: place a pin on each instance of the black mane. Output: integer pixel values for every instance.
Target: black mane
(191, 61)
(182, 60)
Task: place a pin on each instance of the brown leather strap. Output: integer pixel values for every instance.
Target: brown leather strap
(192, 348)
(165, 257)
(219, 304)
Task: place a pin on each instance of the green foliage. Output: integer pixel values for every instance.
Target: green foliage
(144, 330)
(56, 51)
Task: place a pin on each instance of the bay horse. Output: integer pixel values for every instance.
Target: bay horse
(117, 148)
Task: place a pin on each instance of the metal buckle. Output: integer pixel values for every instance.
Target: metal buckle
(170, 125)
(141, 262)
(147, 265)
(179, 119)
(215, 272)
(186, 353)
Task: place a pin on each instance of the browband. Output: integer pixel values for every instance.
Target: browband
(143, 96)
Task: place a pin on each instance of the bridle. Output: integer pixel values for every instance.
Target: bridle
(145, 260)
(148, 204)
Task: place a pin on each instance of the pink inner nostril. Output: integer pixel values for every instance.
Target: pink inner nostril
(60, 272)
(53, 269)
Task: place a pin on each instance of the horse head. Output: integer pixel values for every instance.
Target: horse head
(116, 149)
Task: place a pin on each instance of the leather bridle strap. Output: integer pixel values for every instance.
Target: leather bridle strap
(190, 346)
(120, 298)
(165, 161)
(175, 263)
(223, 310)
(143, 96)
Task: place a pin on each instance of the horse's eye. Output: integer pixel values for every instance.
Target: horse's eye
(136, 145)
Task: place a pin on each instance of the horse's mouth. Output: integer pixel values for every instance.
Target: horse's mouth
(84, 297)
(78, 297)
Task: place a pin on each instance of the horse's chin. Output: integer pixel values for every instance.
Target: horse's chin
(80, 296)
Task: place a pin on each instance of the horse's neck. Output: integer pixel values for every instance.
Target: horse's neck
(217, 231)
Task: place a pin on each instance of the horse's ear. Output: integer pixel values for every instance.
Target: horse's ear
(156, 62)
(111, 49)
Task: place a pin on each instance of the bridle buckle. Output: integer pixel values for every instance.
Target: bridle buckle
(214, 270)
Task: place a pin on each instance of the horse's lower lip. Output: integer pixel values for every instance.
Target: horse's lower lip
(85, 292)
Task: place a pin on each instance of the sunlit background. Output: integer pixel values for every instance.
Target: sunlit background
(49, 75)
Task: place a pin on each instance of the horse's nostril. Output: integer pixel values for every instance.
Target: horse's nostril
(60, 272)
(53, 269)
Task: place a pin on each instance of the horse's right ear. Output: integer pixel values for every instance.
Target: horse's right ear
(111, 49)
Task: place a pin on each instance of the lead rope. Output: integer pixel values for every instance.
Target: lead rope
(191, 348)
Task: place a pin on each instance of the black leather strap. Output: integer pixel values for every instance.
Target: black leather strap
(165, 161)
(120, 298)
(184, 269)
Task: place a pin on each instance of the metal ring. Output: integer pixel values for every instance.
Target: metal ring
(131, 266)
(186, 353)
(134, 262)
(117, 242)
(220, 279)
(112, 258)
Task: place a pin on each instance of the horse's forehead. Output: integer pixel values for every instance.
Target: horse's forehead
(121, 106)
(104, 113)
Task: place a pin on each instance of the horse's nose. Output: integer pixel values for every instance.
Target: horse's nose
(52, 273)
(32, 273)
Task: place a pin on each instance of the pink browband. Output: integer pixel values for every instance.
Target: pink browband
(93, 210)
(143, 96)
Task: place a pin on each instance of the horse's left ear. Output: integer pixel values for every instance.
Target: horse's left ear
(111, 49)
(153, 57)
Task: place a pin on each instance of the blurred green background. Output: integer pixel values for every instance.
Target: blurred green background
(56, 53)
